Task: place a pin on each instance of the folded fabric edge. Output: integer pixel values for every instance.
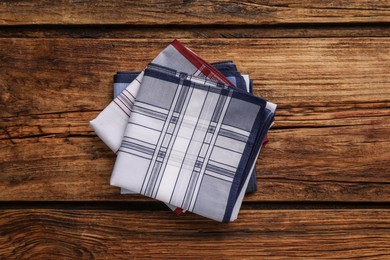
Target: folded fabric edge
(200, 63)
(255, 141)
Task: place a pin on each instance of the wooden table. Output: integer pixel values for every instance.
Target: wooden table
(323, 180)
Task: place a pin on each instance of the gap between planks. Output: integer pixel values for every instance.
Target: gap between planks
(159, 206)
(197, 31)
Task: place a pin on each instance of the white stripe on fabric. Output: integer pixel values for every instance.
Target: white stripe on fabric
(208, 154)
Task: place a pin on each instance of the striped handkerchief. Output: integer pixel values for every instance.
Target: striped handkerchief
(188, 144)
(110, 124)
(227, 68)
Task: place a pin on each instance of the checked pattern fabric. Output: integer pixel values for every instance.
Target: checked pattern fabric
(187, 143)
(186, 132)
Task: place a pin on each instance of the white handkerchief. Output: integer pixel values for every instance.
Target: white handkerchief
(188, 144)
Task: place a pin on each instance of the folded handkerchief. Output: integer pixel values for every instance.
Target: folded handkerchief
(110, 124)
(227, 68)
(192, 142)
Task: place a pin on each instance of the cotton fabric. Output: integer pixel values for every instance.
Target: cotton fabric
(227, 68)
(187, 143)
(186, 133)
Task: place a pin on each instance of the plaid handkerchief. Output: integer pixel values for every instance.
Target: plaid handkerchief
(227, 68)
(110, 124)
(192, 142)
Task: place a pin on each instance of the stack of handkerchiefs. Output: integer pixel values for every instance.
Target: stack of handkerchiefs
(186, 132)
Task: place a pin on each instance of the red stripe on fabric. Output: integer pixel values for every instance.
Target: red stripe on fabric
(213, 76)
(265, 141)
(198, 62)
(178, 211)
(124, 104)
(121, 108)
(131, 102)
(130, 92)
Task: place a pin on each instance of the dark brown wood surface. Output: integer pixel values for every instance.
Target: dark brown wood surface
(192, 12)
(332, 124)
(271, 234)
(324, 178)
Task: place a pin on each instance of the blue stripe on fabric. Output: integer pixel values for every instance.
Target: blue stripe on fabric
(255, 142)
(161, 75)
(125, 77)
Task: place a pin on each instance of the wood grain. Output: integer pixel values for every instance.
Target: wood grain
(274, 234)
(291, 72)
(351, 164)
(323, 180)
(331, 134)
(192, 12)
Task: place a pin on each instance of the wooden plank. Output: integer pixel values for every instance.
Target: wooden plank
(291, 71)
(274, 234)
(348, 163)
(330, 142)
(193, 12)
